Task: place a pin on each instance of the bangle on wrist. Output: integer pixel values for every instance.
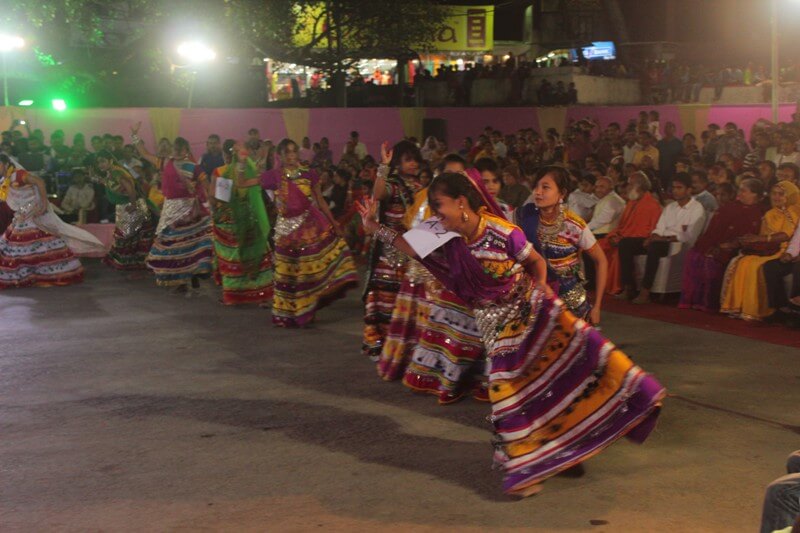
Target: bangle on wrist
(383, 171)
(385, 234)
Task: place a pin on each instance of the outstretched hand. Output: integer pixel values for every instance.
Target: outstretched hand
(135, 128)
(368, 209)
(386, 153)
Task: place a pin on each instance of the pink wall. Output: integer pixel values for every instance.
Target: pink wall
(375, 125)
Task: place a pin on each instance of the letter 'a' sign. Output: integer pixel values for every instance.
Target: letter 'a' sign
(466, 28)
(427, 236)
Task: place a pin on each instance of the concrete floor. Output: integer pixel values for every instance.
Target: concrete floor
(123, 408)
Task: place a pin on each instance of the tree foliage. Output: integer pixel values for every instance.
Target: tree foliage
(92, 41)
(335, 33)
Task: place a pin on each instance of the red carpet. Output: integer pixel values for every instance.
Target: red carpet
(669, 312)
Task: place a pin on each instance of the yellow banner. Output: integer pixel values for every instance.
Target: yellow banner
(467, 28)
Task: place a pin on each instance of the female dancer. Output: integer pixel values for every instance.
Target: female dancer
(313, 265)
(448, 360)
(411, 302)
(241, 231)
(394, 190)
(560, 392)
(135, 226)
(182, 251)
(560, 236)
(37, 247)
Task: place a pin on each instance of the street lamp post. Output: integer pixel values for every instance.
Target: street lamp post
(7, 44)
(195, 53)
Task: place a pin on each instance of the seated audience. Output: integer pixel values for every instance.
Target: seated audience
(776, 270)
(582, 200)
(701, 193)
(782, 499)
(79, 198)
(680, 221)
(705, 263)
(726, 193)
(744, 293)
(638, 219)
(607, 210)
(788, 172)
(514, 192)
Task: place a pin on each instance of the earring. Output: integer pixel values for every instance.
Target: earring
(464, 216)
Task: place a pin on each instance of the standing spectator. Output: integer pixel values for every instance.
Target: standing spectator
(34, 158)
(324, 157)
(350, 157)
(359, 147)
(630, 147)
(306, 153)
(670, 149)
(59, 152)
(731, 143)
(763, 151)
(690, 148)
(654, 125)
(212, 158)
(710, 141)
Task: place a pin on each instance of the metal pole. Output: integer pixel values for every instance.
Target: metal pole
(191, 90)
(774, 56)
(5, 81)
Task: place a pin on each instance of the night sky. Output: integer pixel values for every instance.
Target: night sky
(714, 31)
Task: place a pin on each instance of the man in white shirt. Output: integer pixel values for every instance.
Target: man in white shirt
(681, 221)
(360, 148)
(630, 147)
(79, 198)
(608, 209)
(582, 201)
(777, 269)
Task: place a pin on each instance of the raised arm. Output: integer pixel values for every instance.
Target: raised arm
(138, 143)
(379, 190)
(368, 211)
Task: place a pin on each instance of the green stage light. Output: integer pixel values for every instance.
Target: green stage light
(25, 103)
(59, 104)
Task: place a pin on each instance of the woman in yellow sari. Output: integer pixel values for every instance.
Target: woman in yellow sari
(744, 290)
